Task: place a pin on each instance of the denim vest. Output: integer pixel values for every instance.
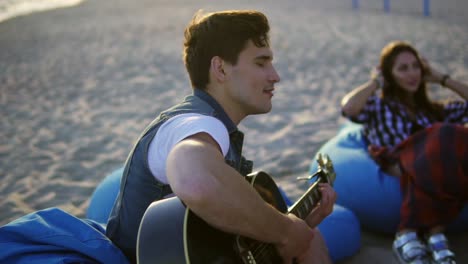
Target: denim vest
(139, 188)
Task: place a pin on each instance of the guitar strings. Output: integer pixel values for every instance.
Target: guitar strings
(262, 249)
(261, 252)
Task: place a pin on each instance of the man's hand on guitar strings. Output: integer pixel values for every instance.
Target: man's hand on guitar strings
(297, 239)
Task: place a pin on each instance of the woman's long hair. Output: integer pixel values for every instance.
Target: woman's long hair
(391, 88)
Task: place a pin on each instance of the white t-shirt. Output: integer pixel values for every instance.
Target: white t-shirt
(178, 128)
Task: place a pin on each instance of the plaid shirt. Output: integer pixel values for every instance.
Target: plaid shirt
(387, 123)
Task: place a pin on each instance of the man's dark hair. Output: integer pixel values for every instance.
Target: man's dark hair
(224, 34)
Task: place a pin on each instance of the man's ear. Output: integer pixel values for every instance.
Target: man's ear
(217, 68)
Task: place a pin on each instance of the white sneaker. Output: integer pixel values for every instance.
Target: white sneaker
(409, 249)
(438, 246)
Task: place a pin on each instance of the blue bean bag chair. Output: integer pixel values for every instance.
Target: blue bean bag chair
(103, 197)
(55, 236)
(341, 229)
(361, 185)
(342, 233)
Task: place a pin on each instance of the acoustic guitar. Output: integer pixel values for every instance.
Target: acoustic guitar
(170, 233)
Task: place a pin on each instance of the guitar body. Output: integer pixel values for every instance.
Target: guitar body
(171, 233)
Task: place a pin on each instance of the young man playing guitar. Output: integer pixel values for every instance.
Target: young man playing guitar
(194, 149)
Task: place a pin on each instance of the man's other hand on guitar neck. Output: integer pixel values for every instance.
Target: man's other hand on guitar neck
(324, 207)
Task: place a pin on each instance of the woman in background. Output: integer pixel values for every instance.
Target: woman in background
(423, 142)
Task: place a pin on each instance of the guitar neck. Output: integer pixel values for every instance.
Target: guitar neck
(307, 202)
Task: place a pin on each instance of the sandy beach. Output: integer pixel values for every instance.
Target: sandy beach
(78, 84)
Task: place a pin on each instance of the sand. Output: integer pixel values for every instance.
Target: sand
(78, 84)
(14, 8)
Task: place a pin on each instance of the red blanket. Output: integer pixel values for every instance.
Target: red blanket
(434, 180)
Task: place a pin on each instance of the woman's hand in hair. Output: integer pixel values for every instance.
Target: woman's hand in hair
(430, 74)
(377, 77)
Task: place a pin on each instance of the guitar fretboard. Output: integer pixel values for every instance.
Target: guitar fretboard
(307, 202)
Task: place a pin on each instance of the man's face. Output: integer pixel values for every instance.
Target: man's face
(250, 83)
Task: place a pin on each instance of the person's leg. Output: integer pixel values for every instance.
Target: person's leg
(434, 185)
